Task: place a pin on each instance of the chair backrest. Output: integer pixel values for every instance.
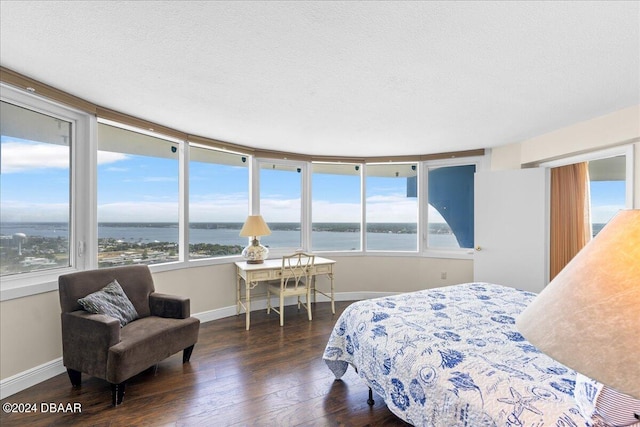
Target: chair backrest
(296, 269)
(135, 280)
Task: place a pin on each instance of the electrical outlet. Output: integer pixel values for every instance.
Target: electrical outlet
(443, 275)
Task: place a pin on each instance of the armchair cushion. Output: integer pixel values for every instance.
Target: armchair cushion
(148, 341)
(171, 306)
(110, 301)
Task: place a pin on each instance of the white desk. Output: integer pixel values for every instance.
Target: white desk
(271, 269)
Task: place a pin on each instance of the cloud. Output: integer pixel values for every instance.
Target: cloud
(325, 211)
(159, 179)
(229, 211)
(281, 210)
(219, 198)
(106, 157)
(602, 214)
(33, 156)
(379, 209)
(204, 209)
(392, 208)
(21, 157)
(434, 215)
(138, 212)
(18, 211)
(215, 208)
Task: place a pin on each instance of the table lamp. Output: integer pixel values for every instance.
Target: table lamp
(588, 317)
(255, 227)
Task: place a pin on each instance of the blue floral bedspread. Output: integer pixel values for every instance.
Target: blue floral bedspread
(452, 356)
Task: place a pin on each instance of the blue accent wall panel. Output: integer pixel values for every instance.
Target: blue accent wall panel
(451, 194)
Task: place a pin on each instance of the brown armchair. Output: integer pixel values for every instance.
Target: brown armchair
(97, 345)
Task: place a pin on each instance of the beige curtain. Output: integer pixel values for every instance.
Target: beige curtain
(570, 214)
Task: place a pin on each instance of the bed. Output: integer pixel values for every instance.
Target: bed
(452, 356)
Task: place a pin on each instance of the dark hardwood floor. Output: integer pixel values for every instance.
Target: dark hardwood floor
(267, 376)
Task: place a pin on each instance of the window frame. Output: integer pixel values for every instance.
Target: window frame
(423, 188)
(305, 199)
(183, 168)
(626, 150)
(83, 156)
(360, 169)
(419, 212)
(187, 201)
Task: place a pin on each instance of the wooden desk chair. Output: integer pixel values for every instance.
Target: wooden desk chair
(294, 281)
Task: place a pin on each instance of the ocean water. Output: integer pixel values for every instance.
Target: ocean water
(321, 240)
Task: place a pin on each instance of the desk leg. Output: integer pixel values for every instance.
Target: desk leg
(314, 284)
(238, 300)
(247, 296)
(333, 306)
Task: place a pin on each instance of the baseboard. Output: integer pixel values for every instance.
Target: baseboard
(23, 380)
(31, 377)
(261, 304)
(219, 313)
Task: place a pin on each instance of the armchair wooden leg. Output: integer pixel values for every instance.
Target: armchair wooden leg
(186, 354)
(75, 377)
(117, 393)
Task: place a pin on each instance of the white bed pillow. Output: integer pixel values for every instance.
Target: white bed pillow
(604, 406)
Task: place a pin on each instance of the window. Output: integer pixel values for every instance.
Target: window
(218, 202)
(610, 183)
(450, 210)
(35, 191)
(281, 203)
(607, 187)
(138, 188)
(336, 207)
(392, 207)
(606, 177)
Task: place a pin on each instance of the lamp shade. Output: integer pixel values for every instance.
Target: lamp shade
(588, 317)
(255, 226)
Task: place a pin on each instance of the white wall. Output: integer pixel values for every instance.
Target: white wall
(619, 128)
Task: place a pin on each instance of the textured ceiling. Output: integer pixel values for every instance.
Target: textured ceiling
(337, 78)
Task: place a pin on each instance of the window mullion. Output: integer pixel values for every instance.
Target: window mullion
(423, 211)
(363, 211)
(183, 202)
(306, 198)
(254, 187)
(84, 195)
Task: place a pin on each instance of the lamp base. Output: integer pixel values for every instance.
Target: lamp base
(255, 253)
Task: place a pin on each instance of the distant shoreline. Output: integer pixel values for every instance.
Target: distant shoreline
(349, 227)
(42, 245)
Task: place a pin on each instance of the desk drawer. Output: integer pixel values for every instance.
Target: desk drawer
(323, 269)
(263, 275)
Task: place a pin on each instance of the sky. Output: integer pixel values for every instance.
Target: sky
(34, 185)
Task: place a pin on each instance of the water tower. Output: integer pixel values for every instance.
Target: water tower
(19, 238)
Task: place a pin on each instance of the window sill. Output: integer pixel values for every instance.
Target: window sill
(27, 284)
(449, 254)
